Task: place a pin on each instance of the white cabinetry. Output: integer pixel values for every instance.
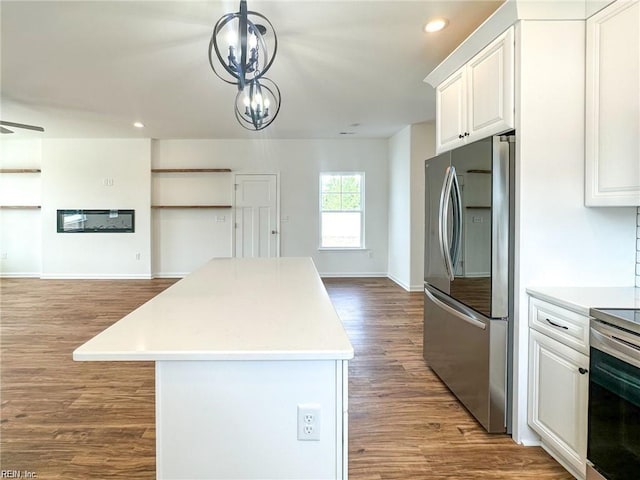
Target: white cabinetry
(612, 148)
(549, 67)
(451, 108)
(477, 100)
(559, 382)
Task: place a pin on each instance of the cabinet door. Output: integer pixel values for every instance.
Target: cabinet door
(612, 149)
(558, 393)
(451, 112)
(490, 77)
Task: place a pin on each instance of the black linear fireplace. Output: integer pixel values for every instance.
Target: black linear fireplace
(96, 221)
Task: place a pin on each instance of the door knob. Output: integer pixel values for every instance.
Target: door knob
(582, 370)
(273, 232)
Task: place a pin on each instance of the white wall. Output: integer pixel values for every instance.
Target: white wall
(559, 241)
(399, 267)
(299, 163)
(185, 239)
(408, 149)
(20, 252)
(423, 147)
(638, 248)
(73, 174)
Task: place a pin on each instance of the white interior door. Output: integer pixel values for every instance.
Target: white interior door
(256, 221)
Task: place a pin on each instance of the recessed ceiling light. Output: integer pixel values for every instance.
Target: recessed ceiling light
(436, 25)
(138, 125)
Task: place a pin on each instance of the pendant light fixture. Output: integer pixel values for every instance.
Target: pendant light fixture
(258, 104)
(251, 46)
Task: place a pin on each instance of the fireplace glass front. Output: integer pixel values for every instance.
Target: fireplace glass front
(96, 221)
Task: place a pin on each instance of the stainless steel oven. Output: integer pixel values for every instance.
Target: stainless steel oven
(613, 447)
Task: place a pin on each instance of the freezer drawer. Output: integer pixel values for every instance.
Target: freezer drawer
(469, 356)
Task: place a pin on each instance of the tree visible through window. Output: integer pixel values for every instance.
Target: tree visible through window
(342, 210)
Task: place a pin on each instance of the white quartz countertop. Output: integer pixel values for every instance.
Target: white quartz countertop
(581, 299)
(231, 309)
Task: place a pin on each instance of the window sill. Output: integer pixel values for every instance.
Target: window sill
(342, 249)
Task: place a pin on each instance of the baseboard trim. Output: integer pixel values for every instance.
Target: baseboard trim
(170, 274)
(353, 275)
(144, 276)
(580, 474)
(20, 275)
(399, 282)
(96, 276)
(530, 443)
(408, 288)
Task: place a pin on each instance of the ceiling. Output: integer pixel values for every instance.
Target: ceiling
(92, 68)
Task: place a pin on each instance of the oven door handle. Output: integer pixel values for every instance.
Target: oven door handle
(627, 381)
(617, 343)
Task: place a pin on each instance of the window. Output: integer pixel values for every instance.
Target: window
(342, 210)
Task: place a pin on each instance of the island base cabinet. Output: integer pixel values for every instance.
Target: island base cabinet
(558, 392)
(239, 419)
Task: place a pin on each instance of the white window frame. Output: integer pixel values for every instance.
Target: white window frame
(361, 211)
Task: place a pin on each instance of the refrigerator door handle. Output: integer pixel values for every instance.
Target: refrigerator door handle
(466, 314)
(443, 220)
(457, 217)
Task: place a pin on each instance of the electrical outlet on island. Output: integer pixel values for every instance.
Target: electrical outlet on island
(308, 421)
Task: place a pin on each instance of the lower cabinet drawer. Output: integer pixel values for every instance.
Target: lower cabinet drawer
(568, 327)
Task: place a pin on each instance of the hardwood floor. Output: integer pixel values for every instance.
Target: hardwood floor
(92, 420)
(404, 423)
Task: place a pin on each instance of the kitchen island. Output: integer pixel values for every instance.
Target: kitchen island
(251, 371)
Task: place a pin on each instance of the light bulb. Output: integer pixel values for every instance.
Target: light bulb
(267, 103)
(232, 37)
(246, 101)
(252, 41)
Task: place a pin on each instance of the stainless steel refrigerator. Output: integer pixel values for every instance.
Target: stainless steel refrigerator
(468, 275)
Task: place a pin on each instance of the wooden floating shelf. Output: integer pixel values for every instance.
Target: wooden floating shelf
(477, 207)
(479, 171)
(190, 170)
(20, 170)
(20, 207)
(190, 206)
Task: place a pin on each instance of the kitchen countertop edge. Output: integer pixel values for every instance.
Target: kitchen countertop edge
(581, 299)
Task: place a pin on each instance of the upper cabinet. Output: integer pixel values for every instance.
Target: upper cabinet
(478, 100)
(451, 108)
(612, 149)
